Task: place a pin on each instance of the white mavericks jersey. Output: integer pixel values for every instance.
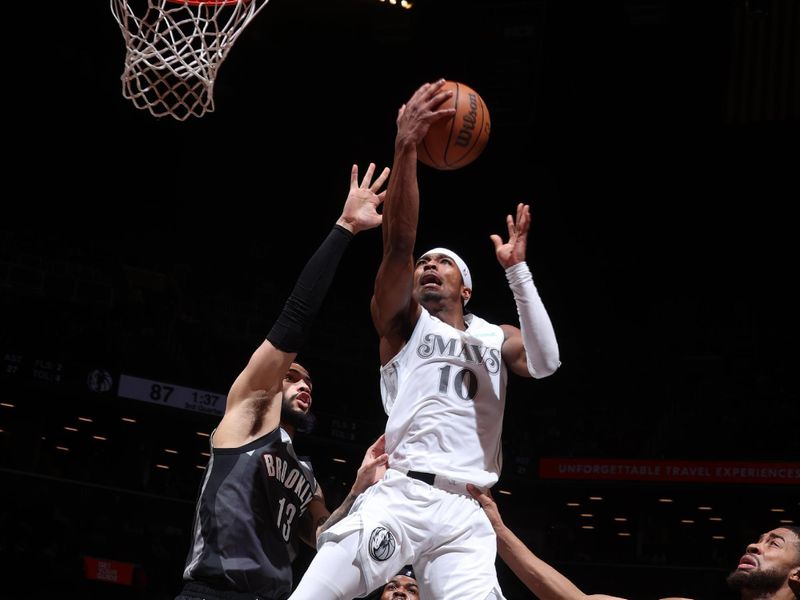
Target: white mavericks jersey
(445, 393)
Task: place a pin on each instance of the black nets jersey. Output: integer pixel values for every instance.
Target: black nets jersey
(245, 532)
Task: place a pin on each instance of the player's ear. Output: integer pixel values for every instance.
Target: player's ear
(794, 581)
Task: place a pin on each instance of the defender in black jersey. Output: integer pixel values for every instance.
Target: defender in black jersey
(258, 498)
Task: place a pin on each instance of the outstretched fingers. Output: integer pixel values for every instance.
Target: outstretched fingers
(520, 225)
(366, 181)
(368, 175)
(523, 218)
(427, 91)
(381, 179)
(379, 445)
(512, 228)
(512, 251)
(431, 96)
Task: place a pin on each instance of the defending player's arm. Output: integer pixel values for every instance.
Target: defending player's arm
(532, 349)
(261, 378)
(372, 469)
(539, 577)
(392, 307)
(316, 514)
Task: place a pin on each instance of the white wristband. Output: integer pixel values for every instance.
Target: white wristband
(518, 274)
(538, 336)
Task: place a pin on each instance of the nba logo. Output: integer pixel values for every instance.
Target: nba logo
(381, 543)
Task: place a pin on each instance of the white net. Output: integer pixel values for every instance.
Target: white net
(175, 49)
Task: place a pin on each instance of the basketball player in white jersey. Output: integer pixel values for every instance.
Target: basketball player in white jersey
(443, 381)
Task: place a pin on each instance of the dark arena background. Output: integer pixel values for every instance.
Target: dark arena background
(142, 260)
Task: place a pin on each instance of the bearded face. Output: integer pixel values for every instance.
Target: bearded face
(296, 402)
(757, 580)
(769, 564)
(302, 421)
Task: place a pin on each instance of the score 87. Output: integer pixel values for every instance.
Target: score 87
(161, 392)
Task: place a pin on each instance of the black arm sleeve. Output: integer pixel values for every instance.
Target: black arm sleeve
(292, 328)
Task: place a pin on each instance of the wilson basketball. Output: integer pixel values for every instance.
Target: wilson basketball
(454, 143)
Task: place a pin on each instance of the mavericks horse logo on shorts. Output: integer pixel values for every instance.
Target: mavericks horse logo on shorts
(381, 543)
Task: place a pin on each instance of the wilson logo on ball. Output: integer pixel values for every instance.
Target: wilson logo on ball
(468, 125)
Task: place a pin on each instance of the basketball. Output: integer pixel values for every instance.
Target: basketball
(455, 142)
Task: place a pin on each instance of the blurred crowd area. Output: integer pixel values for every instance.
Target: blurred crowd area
(130, 501)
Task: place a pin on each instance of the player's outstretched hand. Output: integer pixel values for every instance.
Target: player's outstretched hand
(373, 467)
(484, 498)
(361, 207)
(513, 251)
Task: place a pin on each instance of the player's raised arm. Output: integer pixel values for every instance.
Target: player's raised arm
(392, 306)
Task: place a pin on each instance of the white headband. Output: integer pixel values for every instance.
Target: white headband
(462, 266)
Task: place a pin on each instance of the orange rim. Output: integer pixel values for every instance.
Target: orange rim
(211, 2)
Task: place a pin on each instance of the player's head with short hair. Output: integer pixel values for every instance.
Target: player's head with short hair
(402, 585)
(440, 274)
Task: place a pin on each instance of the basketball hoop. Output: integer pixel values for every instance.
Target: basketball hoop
(175, 49)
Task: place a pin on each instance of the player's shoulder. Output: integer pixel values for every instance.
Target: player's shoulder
(474, 321)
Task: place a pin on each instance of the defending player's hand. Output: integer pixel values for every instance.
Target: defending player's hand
(513, 251)
(488, 504)
(361, 207)
(373, 467)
